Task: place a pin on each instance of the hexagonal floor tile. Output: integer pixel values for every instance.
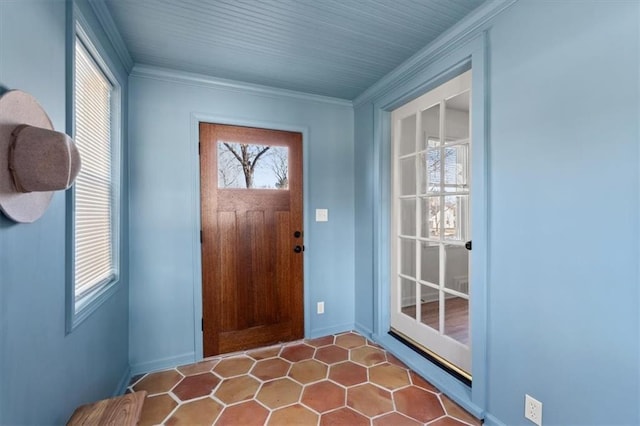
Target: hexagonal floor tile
(394, 419)
(248, 413)
(344, 416)
(279, 393)
(155, 409)
(331, 354)
(293, 415)
(420, 382)
(350, 340)
(271, 368)
(158, 382)
(320, 341)
(395, 361)
(369, 400)
(347, 373)
(447, 421)
(323, 396)
(197, 368)
(200, 412)
(367, 356)
(389, 376)
(235, 366)
(324, 383)
(418, 404)
(454, 410)
(237, 389)
(308, 371)
(295, 353)
(194, 386)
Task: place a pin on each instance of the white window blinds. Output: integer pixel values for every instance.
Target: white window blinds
(93, 223)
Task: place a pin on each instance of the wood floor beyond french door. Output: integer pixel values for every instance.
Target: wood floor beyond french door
(252, 239)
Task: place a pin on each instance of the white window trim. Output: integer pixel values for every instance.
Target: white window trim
(79, 310)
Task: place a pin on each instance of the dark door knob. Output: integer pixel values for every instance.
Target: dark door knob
(297, 249)
(297, 234)
(467, 245)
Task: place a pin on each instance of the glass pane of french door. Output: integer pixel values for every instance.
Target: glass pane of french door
(431, 222)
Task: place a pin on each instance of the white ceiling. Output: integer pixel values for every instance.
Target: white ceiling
(325, 47)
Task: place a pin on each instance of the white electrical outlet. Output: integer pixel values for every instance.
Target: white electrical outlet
(320, 308)
(533, 409)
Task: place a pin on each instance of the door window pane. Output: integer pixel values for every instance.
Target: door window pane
(430, 262)
(456, 168)
(407, 175)
(456, 318)
(430, 127)
(408, 217)
(456, 211)
(456, 126)
(408, 257)
(252, 166)
(456, 268)
(408, 297)
(429, 307)
(430, 173)
(408, 135)
(431, 217)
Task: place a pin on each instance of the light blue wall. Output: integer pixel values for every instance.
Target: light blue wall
(165, 256)
(364, 205)
(44, 374)
(563, 306)
(563, 214)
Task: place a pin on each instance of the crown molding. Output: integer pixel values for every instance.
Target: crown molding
(106, 20)
(202, 80)
(465, 30)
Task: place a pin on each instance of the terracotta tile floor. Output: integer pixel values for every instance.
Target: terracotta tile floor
(334, 380)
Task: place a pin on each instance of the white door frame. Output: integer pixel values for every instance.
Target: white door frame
(472, 54)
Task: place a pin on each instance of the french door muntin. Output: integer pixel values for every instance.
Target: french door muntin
(431, 222)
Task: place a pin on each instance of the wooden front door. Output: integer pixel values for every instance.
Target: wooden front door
(252, 260)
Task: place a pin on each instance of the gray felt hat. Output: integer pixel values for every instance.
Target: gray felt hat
(35, 160)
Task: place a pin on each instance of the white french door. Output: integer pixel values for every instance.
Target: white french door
(431, 231)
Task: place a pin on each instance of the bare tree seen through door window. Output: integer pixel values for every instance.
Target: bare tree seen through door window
(252, 166)
(279, 164)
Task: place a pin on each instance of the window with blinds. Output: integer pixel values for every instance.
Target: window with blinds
(95, 264)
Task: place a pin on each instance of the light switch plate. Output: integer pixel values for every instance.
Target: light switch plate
(322, 215)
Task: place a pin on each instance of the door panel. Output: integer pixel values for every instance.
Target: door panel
(251, 202)
(432, 190)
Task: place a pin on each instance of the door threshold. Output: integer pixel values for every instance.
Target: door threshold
(451, 369)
